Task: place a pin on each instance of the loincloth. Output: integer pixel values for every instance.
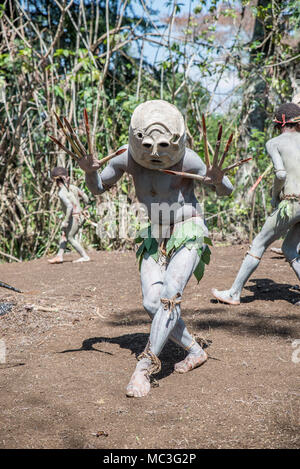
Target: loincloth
(189, 234)
(79, 218)
(287, 205)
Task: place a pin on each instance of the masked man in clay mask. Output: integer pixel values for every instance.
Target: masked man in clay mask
(173, 246)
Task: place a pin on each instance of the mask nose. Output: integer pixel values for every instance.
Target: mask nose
(154, 151)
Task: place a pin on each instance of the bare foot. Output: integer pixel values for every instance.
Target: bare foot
(139, 384)
(225, 297)
(82, 259)
(190, 362)
(56, 260)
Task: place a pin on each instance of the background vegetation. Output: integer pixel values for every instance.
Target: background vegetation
(110, 55)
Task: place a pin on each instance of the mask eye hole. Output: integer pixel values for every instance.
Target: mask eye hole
(175, 138)
(164, 144)
(147, 145)
(139, 135)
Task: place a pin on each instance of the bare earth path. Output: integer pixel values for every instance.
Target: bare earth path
(70, 353)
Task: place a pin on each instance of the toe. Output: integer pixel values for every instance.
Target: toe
(129, 391)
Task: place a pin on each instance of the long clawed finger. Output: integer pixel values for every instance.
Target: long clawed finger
(217, 149)
(235, 165)
(112, 155)
(183, 174)
(78, 149)
(63, 147)
(69, 138)
(220, 164)
(206, 153)
(76, 139)
(87, 130)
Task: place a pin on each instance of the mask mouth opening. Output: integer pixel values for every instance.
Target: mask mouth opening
(156, 161)
(59, 179)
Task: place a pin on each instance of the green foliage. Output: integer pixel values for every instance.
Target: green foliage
(285, 209)
(72, 78)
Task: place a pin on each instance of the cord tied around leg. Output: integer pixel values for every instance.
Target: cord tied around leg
(170, 303)
(155, 361)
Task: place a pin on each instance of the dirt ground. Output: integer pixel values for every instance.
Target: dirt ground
(72, 343)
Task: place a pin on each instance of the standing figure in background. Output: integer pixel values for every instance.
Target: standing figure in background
(284, 151)
(69, 196)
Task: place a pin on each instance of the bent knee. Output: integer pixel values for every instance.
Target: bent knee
(259, 246)
(281, 175)
(151, 304)
(288, 251)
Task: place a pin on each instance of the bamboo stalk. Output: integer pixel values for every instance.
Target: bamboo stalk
(260, 178)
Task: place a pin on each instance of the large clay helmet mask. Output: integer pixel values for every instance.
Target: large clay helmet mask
(157, 135)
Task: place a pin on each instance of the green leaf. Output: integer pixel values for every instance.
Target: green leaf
(155, 256)
(59, 91)
(179, 242)
(206, 255)
(170, 244)
(153, 247)
(138, 239)
(199, 271)
(190, 244)
(140, 250)
(207, 241)
(148, 243)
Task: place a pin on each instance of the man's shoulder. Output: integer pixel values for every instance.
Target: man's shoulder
(273, 141)
(283, 138)
(192, 161)
(121, 159)
(62, 191)
(73, 188)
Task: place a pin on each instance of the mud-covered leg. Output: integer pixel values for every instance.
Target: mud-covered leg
(273, 229)
(59, 258)
(167, 321)
(290, 249)
(76, 245)
(152, 279)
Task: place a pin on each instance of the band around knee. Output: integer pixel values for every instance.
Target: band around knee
(252, 255)
(293, 260)
(170, 303)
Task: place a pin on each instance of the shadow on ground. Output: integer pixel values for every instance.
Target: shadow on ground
(266, 289)
(136, 343)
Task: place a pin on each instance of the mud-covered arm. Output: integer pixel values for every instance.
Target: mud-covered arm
(100, 182)
(83, 196)
(224, 187)
(69, 209)
(280, 172)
